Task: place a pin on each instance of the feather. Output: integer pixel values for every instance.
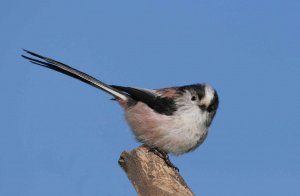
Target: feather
(162, 105)
(63, 68)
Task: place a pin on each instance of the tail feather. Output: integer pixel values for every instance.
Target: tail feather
(63, 68)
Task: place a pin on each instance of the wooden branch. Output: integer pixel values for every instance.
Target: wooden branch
(150, 175)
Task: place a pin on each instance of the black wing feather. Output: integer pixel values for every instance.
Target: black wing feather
(162, 105)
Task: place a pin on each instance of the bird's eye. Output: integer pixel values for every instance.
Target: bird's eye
(193, 98)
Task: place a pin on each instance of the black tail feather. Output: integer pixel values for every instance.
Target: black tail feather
(63, 68)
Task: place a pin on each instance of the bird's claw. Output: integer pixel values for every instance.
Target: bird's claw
(164, 156)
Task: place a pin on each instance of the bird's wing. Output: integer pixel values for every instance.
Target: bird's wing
(162, 105)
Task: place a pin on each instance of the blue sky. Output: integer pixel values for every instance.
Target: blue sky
(59, 136)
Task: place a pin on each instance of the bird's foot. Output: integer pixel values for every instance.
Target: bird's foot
(164, 156)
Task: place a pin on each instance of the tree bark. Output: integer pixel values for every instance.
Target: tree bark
(150, 175)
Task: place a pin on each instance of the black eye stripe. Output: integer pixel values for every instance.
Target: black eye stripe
(202, 107)
(193, 98)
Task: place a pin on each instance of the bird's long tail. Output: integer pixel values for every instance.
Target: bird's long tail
(63, 68)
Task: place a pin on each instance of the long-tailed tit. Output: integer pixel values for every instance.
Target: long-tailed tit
(170, 120)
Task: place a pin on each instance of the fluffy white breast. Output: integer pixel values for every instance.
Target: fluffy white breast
(189, 130)
(175, 134)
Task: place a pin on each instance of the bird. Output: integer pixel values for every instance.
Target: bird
(172, 120)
